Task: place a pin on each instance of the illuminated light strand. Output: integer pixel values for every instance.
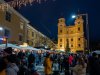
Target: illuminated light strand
(19, 3)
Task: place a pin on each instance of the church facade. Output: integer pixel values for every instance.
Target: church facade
(71, 36)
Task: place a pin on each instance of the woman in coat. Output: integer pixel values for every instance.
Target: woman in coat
(80, 68)
(48, 65)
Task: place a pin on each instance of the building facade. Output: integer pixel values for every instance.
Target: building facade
(71, 36)
(17, 30)
(13, 25)
(37, 39)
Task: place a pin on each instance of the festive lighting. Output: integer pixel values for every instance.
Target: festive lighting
(19, 3)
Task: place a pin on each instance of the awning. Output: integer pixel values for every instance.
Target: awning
(9, 45)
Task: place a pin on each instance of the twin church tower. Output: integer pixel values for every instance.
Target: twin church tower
(73, 35)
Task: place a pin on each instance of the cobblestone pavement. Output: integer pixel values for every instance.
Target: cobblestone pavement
(40, 70)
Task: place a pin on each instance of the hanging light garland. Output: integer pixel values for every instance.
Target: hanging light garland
(18, 3)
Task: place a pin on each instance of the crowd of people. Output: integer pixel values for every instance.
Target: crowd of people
(24, 63)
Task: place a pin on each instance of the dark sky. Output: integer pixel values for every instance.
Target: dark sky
(44, 16)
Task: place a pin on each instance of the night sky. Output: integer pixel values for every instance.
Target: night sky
(44, 16)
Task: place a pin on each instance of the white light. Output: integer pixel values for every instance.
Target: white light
(1, 28)
(1, 38)
(74, 16)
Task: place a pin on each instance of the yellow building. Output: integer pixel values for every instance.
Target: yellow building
(17, 29)
(73, 35)
(37, 39)
(13, 25)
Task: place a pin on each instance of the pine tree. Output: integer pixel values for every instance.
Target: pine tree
(67, 47)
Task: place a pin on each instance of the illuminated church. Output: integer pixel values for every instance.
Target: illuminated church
(73, 35)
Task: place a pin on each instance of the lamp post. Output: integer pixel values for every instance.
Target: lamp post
(6, 42)
(87, 27)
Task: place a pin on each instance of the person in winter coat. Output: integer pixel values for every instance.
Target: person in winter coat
(56, 68)
(47, 65)
(66, 66)
(94, 65)
(80, 68)
(7, 51)
(12, 68)
(70, 60)
(2, 66)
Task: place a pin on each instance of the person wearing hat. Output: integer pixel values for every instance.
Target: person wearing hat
(12, 68)
(7, 51)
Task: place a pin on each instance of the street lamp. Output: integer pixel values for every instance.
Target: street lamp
(87, 26)
(3, 38)
(1, 28)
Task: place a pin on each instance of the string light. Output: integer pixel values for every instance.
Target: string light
(19, 3)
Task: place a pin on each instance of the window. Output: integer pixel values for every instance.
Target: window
(78, 28)
(60, 45)
(60, 40)
(67, 32)
(71, 45)
(60, 31)
(20, 37)
(32, 43)
(61, 20)
(71, 32)
(32, 34)
(78, 39)
(28, 41)
(79, 45)
(21, 25)
(6, 33)
(8, 16)
(71, 39)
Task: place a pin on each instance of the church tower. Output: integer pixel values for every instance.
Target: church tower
(61, 33)
(80, 39)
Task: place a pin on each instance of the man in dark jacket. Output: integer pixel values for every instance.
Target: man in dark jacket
(94, 65)
(66, 66)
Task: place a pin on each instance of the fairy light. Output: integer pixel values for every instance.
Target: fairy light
(19, 3)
